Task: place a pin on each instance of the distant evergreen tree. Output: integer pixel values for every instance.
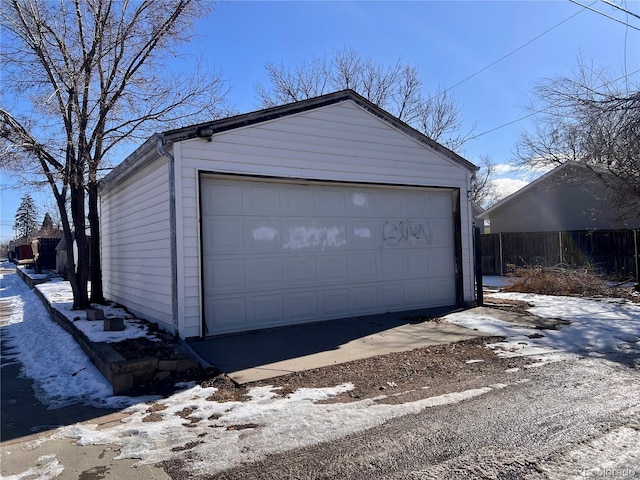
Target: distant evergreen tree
(47, 223)
(26, 221)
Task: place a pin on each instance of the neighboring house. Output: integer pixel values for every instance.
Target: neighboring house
(322, 209)
(568, 198)
(477, 210)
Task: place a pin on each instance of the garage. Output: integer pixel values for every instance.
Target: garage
(283, 252)
(321, 209)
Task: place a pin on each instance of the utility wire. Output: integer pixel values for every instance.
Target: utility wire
(535, 112)
(605, 15)
(507, 55)
(620, 8)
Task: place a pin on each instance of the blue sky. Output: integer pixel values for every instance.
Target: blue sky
(446, 41)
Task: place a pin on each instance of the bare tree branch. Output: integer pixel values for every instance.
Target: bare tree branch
(396, 88)
(88, 76)
(595, 121)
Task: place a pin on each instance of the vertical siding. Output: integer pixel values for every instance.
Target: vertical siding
(135, 244)
(340, 142)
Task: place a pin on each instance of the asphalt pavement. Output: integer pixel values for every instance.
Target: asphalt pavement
(572, 419)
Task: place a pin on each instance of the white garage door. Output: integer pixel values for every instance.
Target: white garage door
(280, 253)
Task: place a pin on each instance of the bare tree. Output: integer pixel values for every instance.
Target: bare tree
(594, 121)
(82, 79)
(483, 191)
(396, 88)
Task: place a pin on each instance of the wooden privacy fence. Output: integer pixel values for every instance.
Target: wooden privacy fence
(608, 252)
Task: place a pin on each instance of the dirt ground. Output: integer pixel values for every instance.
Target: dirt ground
(402, 376)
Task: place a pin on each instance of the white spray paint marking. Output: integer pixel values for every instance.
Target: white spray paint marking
(308, 237)
(265, 233)
(362, 232)
(359, 200)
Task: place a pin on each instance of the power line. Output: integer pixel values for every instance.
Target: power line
(542, 111)
(508, 54)
(605, 15)
(620, 8)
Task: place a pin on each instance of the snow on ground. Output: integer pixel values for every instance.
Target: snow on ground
(241, 432)
(614, 455)
(268, 422)
(62, 373)
(498, 281)
(58, 293)
(600, 327)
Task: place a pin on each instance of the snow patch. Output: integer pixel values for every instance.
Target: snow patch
(266, 423)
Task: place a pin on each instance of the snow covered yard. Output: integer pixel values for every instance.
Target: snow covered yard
(603, 327)
(219, 435)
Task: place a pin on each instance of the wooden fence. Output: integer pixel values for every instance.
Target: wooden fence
(609, 252)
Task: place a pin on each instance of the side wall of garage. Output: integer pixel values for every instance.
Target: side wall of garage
(336, 143)
(135, 242)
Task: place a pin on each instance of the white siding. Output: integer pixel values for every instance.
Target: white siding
(340, 142)
(135, 244)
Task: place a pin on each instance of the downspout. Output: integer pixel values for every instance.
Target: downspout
(172, 229)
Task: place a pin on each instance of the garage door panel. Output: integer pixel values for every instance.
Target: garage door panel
(392, 265)
(313, 235)
(264, 272)
(333, 268)
(363, 266)
(262, 200)
(440, 262)
(226, 314)
(262, 235)
(281, 253)
(301, 306)
(405, 232)
(442, 233)
(223, 236)
(388, 204)
(392, 296)
(266, 310)
(417, 264)
(299, 270)
(227, 198)
(360, 203)
(364, 299)
(334, 302)
(223, 274)
(440, 293)
(329, 202)
(297, 201)
(415, 293)
(362, 234)
(413, 205)
(439, 206)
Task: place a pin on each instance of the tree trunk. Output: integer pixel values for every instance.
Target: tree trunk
(81, 300)
(97, 294)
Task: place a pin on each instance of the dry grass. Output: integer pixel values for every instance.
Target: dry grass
(558, 281)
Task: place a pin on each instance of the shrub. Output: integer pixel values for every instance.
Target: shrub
(557, 281)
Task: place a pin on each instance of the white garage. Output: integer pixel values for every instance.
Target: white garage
(323, 209)
(277, 253)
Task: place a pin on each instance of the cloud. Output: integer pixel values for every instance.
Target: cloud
(504, 168)
(506, 186)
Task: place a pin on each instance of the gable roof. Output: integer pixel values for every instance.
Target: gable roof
(507, 201)
(272, 113)
(141, 156)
